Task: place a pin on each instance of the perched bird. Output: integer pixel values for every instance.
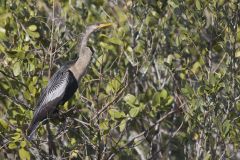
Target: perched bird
(64, 82)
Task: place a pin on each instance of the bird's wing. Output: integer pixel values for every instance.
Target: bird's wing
(50, 97)
(54, 91)
(57, 77)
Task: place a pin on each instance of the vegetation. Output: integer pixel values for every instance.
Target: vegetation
(164, 82)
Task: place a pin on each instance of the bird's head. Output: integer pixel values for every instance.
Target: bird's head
(97, 26)
(90, 29)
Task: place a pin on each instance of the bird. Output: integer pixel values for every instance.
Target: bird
(64, 82)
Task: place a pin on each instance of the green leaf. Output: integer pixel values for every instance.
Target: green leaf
(34, 79)
(116, 114)
(173, 3)
(187, 90)
(74, 154)
(198, 5)
(32, 28)
(12, 145)
(163, 94)
(170, 59)
(182, 76)
(122, 17)
(170, 100)
(144, 68)
(237, 54)
(16, 136)
(104, 125)
(32, 88)
(129, 49)
(3, 34)
(207, 156)
(156, 100)
(23, 154)
(115, 40)
(158, 96)
(238, 106)
(106, 46)
(3, 123)
(33, 34)
(73, 141)
(23, 144)
(2, 48)
(113, 86)
(101, 60)
(16, 69)
(134, 112)
(122, 125)
(196, 67)
(27, 95)
(130, 99)
(226, 127)
(221, 2)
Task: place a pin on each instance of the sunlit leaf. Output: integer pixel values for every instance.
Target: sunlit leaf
(3, 123)
(198, 5)
(101, 60)
(115, 40)
(122, 125)
(134, 112)
(106, 46)
(2, 34)
(74, 154)
(16, 137)
(163, 94)
(73, 141)
(237, 54)
(23, 144)
(33, 34)
(12, 145)
(113, 86)
(104, 125)
(32, 28)
(16, 69)
(122, 17)
(196, 67)
(23, 154)
(114, 113)
(130, 99)
(170, 100)
(156, 100)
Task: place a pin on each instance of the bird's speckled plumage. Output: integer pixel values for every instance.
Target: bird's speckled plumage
(64, 83)
(60, 88)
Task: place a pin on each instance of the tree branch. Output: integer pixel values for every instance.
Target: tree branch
(15, 100)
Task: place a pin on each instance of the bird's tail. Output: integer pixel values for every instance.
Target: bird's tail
(31, 130)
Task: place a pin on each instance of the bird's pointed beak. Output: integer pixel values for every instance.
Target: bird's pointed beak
(104, 25)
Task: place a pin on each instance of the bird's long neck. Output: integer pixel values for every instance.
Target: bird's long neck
(83, 43)
(78, 69)
(80, 66)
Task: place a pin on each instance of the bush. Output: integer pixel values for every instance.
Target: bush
(163, 82)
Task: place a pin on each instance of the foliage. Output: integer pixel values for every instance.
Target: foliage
(163, 83)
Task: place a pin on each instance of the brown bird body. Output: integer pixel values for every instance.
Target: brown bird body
(63, 84)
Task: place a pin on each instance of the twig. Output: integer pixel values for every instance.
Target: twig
(109, 103)
(219, 64)
(152, 126)
(7, 75)
(173, 135)
(15, 100)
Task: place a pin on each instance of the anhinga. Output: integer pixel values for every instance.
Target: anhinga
(64, 82)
